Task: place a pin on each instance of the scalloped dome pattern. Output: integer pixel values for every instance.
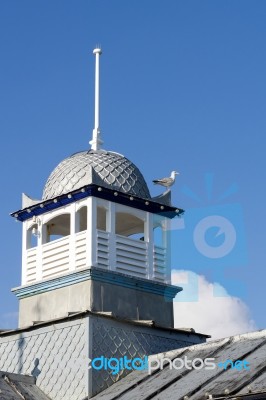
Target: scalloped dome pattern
(115, 170)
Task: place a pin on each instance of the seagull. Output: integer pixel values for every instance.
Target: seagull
(167, 182)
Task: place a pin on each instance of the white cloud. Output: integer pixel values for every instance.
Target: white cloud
(217, 316)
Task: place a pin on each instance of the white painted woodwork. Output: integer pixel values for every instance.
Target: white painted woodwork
(148, 237)
(95, 247)
(80, 250)
(96, 141)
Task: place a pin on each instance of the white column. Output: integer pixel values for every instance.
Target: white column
(72, 238)
(41, 238)
(91, 232)
(148, 237)
(24, 253)
(166, 226)
(110, 227)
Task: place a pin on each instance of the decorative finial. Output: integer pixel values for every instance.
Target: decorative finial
(96, 141)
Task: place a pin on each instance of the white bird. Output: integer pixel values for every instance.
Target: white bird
(167, 182)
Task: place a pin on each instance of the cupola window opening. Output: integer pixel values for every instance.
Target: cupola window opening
(129, 222)
(32, 236)
(158, 234)
(57, 228)
(82, 219)
(101, 218)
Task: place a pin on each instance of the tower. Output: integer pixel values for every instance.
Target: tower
(96, 273)
(89, 243)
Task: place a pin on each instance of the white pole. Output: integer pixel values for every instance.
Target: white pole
(96, 141)
(97, 53)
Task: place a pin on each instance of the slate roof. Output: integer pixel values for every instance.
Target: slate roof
(199, 384)
(18, 387)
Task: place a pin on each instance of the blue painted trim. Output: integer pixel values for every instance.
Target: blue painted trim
(102, 193)
(95, 274)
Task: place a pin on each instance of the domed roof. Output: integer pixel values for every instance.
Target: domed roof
(104, 168)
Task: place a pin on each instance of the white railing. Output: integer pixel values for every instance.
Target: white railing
(80, 250)
(159, 263)
(117, 253)
(31, 262)
(55, 257)
(131, 256)
(103, 249)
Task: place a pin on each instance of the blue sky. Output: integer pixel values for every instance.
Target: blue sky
(183, 87)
